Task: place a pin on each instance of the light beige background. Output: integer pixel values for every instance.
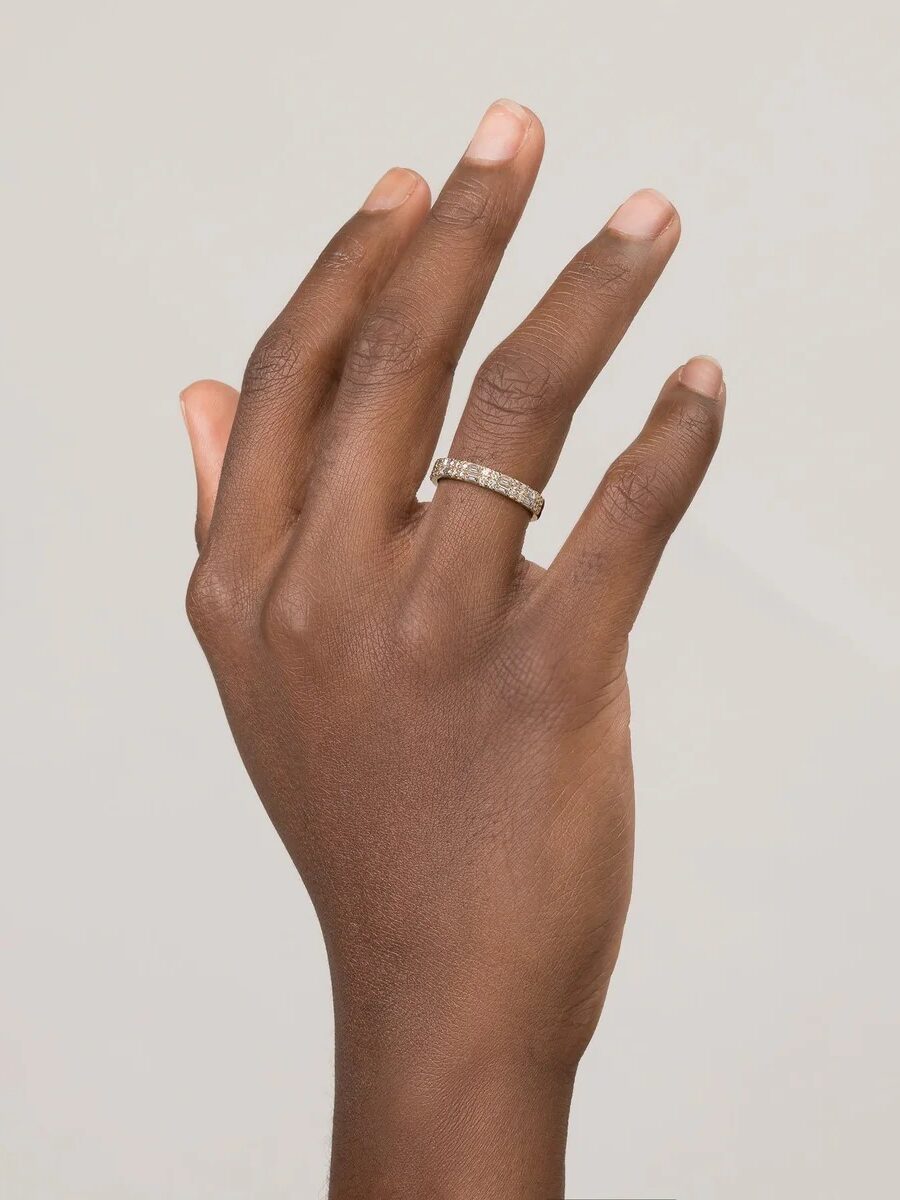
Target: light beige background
(172, 170)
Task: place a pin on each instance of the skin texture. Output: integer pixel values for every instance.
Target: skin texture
(439, 729)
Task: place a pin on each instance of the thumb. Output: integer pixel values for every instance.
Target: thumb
(208, 408)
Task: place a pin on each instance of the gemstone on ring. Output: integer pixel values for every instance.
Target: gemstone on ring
(487, 477)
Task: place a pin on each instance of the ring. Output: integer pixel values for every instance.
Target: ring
(494, 481)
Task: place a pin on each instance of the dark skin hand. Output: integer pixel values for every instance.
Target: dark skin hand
(438, 728)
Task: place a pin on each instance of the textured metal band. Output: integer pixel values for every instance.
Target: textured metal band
(494, 481)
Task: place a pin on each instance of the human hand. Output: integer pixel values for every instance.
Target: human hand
(438, 728)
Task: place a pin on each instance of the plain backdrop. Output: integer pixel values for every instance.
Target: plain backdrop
(171, 171)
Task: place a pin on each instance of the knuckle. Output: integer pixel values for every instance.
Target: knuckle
(388, 344)
(609, 276)
(638, 492)
(212, 602)
(415, 631)
(280, 360)
(283, 619)
(516, 385)
(464, 204)
(588, 565)
(414, 628)
(345, 252)
(531, 681)
(697, 426)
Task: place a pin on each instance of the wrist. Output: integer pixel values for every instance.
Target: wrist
(424, 1112)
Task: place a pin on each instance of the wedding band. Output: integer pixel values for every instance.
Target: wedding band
(494, 481)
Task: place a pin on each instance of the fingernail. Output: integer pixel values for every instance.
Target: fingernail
(702, 375)
(501, 132)
(395, 186)
(643, 215)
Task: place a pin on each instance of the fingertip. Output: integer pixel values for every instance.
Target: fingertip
(396, 187)
(535, 125)
(208, 408)
(536, 136)
(421, 192)
(206, 393)
(507, 132)
(646, 216)
(704, 376)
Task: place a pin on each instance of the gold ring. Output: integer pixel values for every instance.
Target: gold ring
(494, 481)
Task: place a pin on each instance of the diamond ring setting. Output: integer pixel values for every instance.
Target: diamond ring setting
(494, 481)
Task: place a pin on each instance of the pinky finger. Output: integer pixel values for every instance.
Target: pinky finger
(208, 408)
(608, 561)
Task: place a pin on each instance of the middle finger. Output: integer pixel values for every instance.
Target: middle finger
(397, 375)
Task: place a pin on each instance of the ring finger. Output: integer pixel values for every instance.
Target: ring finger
(525, 394)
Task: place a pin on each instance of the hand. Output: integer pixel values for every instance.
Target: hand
(437, 727)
